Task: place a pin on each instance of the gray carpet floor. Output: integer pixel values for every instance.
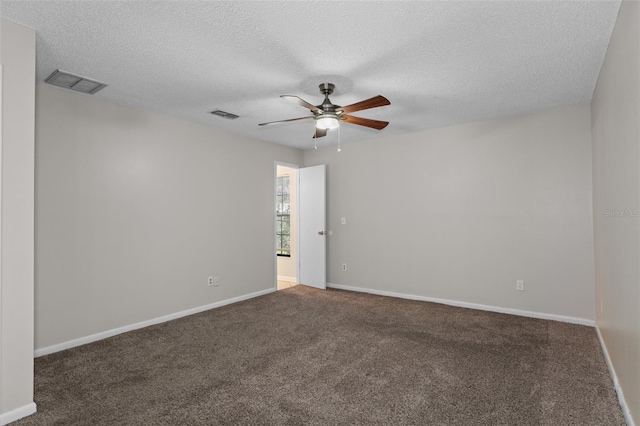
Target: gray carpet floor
(306, 356)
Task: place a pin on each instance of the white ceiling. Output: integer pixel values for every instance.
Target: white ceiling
(439, 63)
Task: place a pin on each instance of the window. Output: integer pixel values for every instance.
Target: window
(283, 217)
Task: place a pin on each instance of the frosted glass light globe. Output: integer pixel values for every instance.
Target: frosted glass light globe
(327, 123)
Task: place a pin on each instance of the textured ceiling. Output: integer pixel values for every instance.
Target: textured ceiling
(439, 63)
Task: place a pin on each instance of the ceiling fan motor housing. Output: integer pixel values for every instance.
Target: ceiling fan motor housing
(327, 106)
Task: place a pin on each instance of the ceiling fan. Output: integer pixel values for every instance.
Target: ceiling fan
(329, 115)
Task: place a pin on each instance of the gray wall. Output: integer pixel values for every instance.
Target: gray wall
(616, 193)
(461, 213)
(16, 288)
(135, 210)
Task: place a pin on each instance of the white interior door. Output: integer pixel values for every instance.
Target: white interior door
(312, 249)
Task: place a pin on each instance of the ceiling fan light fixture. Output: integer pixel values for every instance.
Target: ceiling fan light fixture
(327, 123)
(328, 115)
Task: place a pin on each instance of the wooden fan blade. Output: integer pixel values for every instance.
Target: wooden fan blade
(285, 121)
(320, 133)
(374, 124)
(303, 103)
(376, 101)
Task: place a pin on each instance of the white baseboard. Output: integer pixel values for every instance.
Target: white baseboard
(285, 278)
(17, 414)
(530, 314)
(103, 335)
(616, 384)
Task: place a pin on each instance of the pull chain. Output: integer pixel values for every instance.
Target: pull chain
(339, 138)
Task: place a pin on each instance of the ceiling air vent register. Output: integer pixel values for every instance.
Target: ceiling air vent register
(224, 114)
(74, 82)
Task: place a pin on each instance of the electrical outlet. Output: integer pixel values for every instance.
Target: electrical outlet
(210, 281)
(343, 220)
(344, 266)
(216, 282)
(520, 285)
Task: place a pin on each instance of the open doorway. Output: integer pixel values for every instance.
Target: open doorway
(286, 203)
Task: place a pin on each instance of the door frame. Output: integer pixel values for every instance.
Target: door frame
(297, 224)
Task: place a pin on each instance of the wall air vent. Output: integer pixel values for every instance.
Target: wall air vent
(224, 114)
(74, 82)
